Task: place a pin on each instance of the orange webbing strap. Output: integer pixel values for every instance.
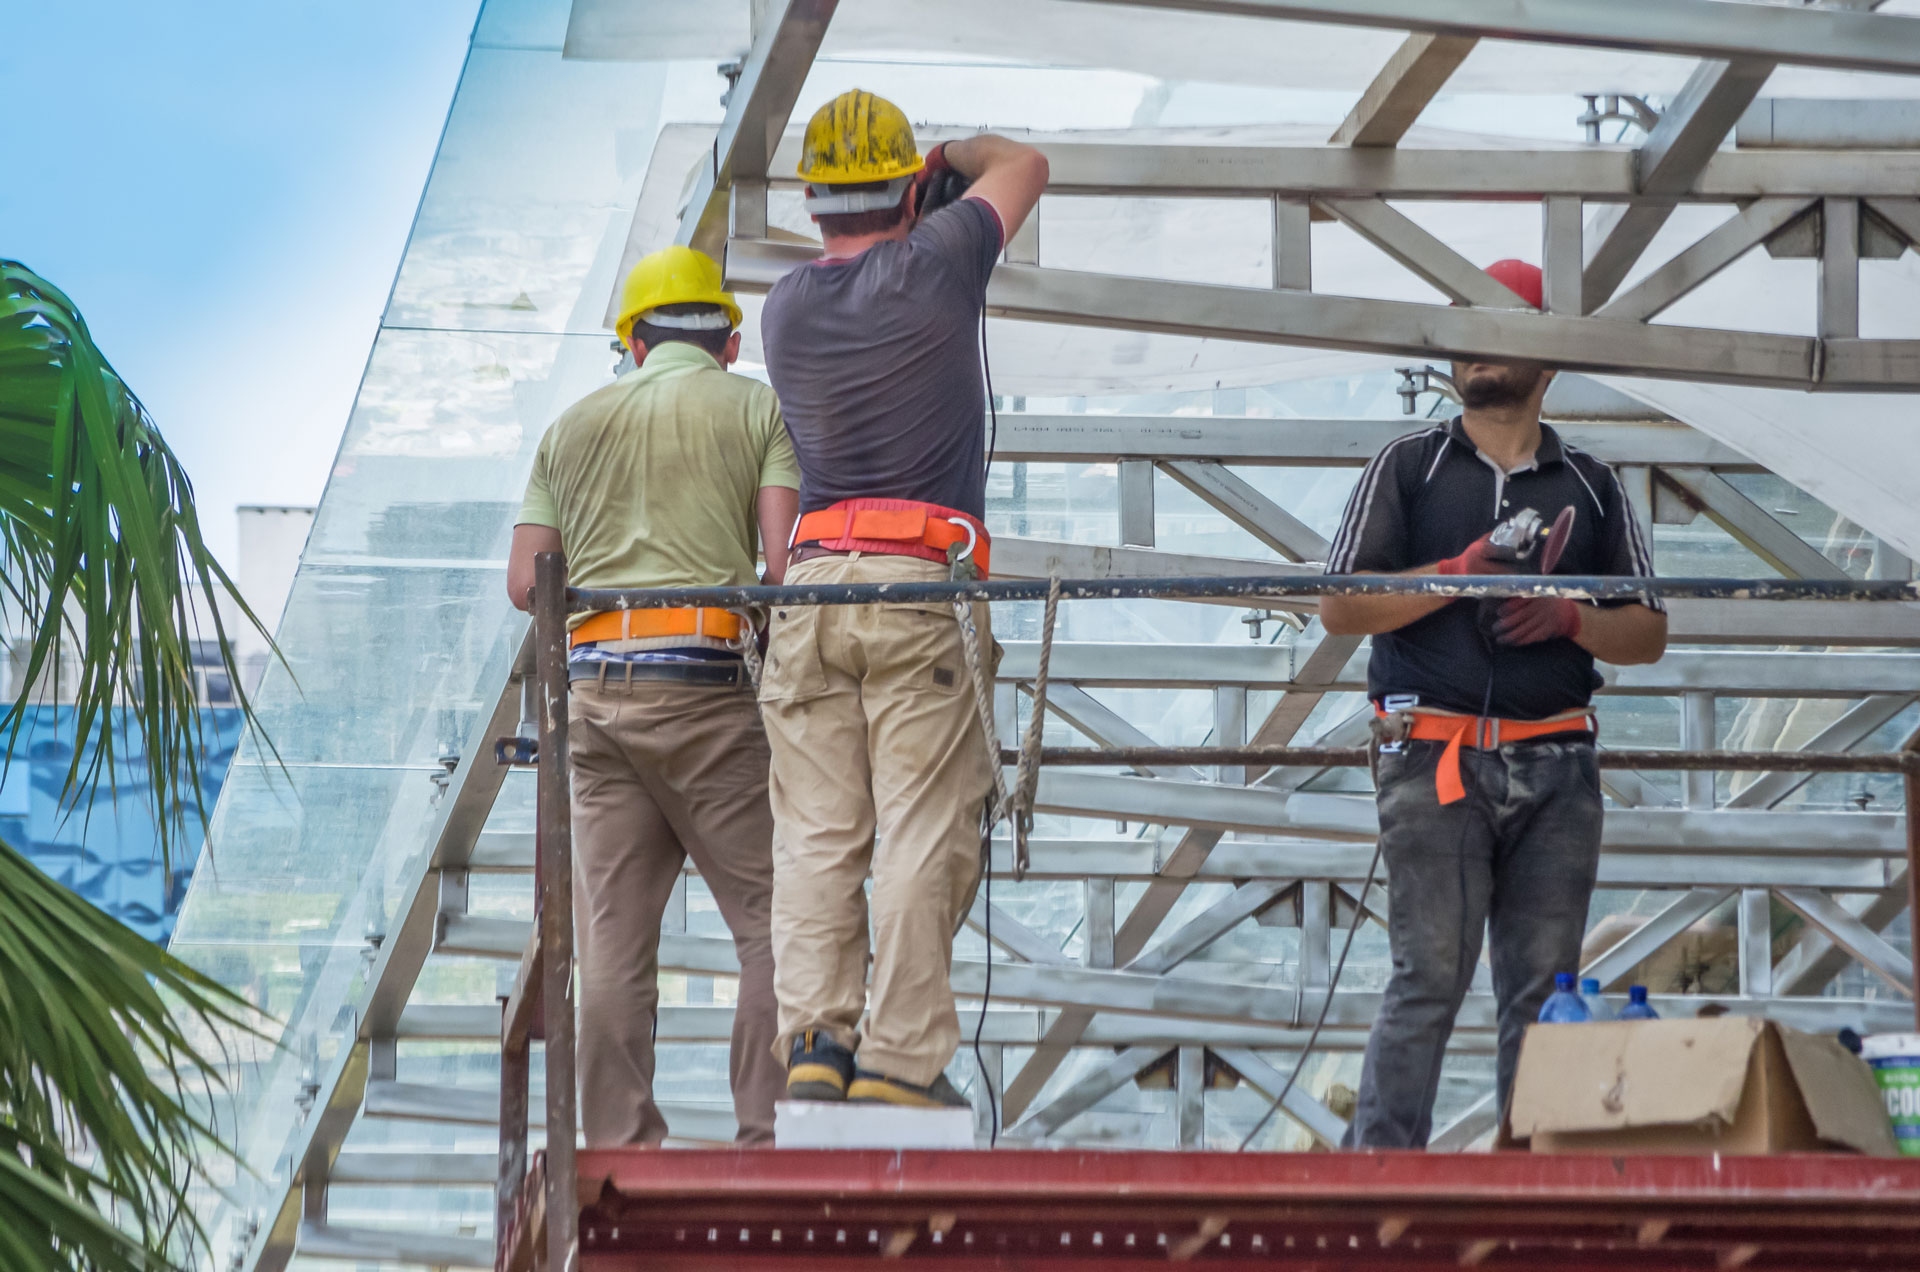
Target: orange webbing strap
(1485, 732)
(898, 527)
(651, 624)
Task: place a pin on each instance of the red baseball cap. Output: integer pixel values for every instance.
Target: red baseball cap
(1522, 279)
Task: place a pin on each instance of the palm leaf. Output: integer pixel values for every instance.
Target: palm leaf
(103, 1074)
(100, 549)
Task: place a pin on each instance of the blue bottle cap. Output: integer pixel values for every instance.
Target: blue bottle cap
(1563, 980)
(1589, 986)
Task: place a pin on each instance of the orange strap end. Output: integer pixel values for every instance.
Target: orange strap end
(1446, 778)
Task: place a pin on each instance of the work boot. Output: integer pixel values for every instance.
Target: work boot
(818, 1068)
(877, 1088)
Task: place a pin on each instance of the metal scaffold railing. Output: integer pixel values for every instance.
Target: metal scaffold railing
(540, 1228)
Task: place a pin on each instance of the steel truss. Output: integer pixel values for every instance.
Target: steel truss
(1295, 858)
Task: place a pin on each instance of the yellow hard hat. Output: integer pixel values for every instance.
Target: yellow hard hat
(858, 137)
(672, 276)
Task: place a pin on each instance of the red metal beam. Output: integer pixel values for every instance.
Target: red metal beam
(1075, 1212)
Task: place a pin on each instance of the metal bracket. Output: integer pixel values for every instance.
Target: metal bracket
(1417, 380)
(1622, 108)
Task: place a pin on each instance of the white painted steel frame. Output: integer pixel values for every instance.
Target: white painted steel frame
(1848, 890)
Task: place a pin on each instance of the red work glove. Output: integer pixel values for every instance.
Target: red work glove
(1528, 620)
(1477, 559)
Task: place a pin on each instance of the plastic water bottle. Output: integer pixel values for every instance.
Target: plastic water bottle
(1637, 1007)
(1590, 994)
(1563, 1006)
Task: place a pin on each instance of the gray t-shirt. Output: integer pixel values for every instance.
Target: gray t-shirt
(876, 360)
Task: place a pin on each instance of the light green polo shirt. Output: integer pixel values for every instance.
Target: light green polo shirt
(651, 480)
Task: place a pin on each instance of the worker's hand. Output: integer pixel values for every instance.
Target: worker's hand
(1479, 558)
(1528, 620)
(938, 184)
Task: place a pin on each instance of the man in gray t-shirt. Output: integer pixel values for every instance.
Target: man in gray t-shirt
(904, 418)
(879, 762)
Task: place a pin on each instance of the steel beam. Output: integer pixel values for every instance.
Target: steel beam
(1858, 724)
(1838, 312)
(1475, 1120)
(1247, 508)
(1087, 1092)
(763, 98)
(1417, 71)
(1812, 964)
(1013, 936)
(1210, 925)
(1239, 1003)
(1199, 165)
(1824, 123)
(1075, 792)
(1419, 252)
(1326, 1126)
(1745, 230)
(1650, 937)
(1841, 39)
(1850, 934)
(1105, 725)
(1313, 443)
(366, 1246)
(1729, 673)
(1136, 503)
(1689, 131)
(1316, 320)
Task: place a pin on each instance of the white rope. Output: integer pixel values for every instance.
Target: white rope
(747, 644)
(1016, 806)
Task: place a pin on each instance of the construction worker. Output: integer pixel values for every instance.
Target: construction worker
(660, 479)
(1488, 790)
(874, 349)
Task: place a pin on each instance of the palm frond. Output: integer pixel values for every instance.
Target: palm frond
(98, 1106)
(100, 550)
(102, 1078)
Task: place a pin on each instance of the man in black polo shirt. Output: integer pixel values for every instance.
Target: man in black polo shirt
(1488, 790)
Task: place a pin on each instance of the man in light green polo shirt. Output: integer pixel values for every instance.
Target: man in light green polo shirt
(661, 479)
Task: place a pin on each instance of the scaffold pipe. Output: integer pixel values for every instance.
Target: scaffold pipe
(1222, 587)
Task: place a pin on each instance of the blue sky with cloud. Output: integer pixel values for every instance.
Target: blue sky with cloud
(225, 188)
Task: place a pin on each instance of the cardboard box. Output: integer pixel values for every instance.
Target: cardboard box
(1731, 1084)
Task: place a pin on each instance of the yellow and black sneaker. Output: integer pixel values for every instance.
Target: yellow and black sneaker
(818, 1068)
(877, 1088)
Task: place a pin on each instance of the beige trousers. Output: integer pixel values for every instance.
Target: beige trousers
(663, 772)
(878, 768)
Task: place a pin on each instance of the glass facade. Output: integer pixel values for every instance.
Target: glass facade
(398, 633)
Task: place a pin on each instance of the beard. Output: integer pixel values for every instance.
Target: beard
(1504, 386)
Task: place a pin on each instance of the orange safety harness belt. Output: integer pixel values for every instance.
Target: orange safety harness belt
(1481, 732)
(651, 624)
(895, 527)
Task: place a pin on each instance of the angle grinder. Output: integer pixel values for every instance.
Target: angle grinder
(1529, 545)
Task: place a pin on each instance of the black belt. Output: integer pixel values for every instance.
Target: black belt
(731, 672)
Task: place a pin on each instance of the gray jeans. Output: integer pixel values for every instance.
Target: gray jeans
(1516, 857)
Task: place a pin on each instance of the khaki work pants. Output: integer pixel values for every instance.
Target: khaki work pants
(662, 772)
(875, 732)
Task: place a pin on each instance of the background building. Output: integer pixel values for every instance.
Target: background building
(109, 851)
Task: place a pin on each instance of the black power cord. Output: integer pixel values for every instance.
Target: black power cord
(1359, 916)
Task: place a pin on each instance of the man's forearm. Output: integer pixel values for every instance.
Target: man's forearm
(1372, 615)
(971, 157)
(1623, 635)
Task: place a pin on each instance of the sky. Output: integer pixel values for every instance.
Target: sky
(224, 189)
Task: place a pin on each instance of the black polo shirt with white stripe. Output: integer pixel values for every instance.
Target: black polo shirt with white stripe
(1426, 497)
